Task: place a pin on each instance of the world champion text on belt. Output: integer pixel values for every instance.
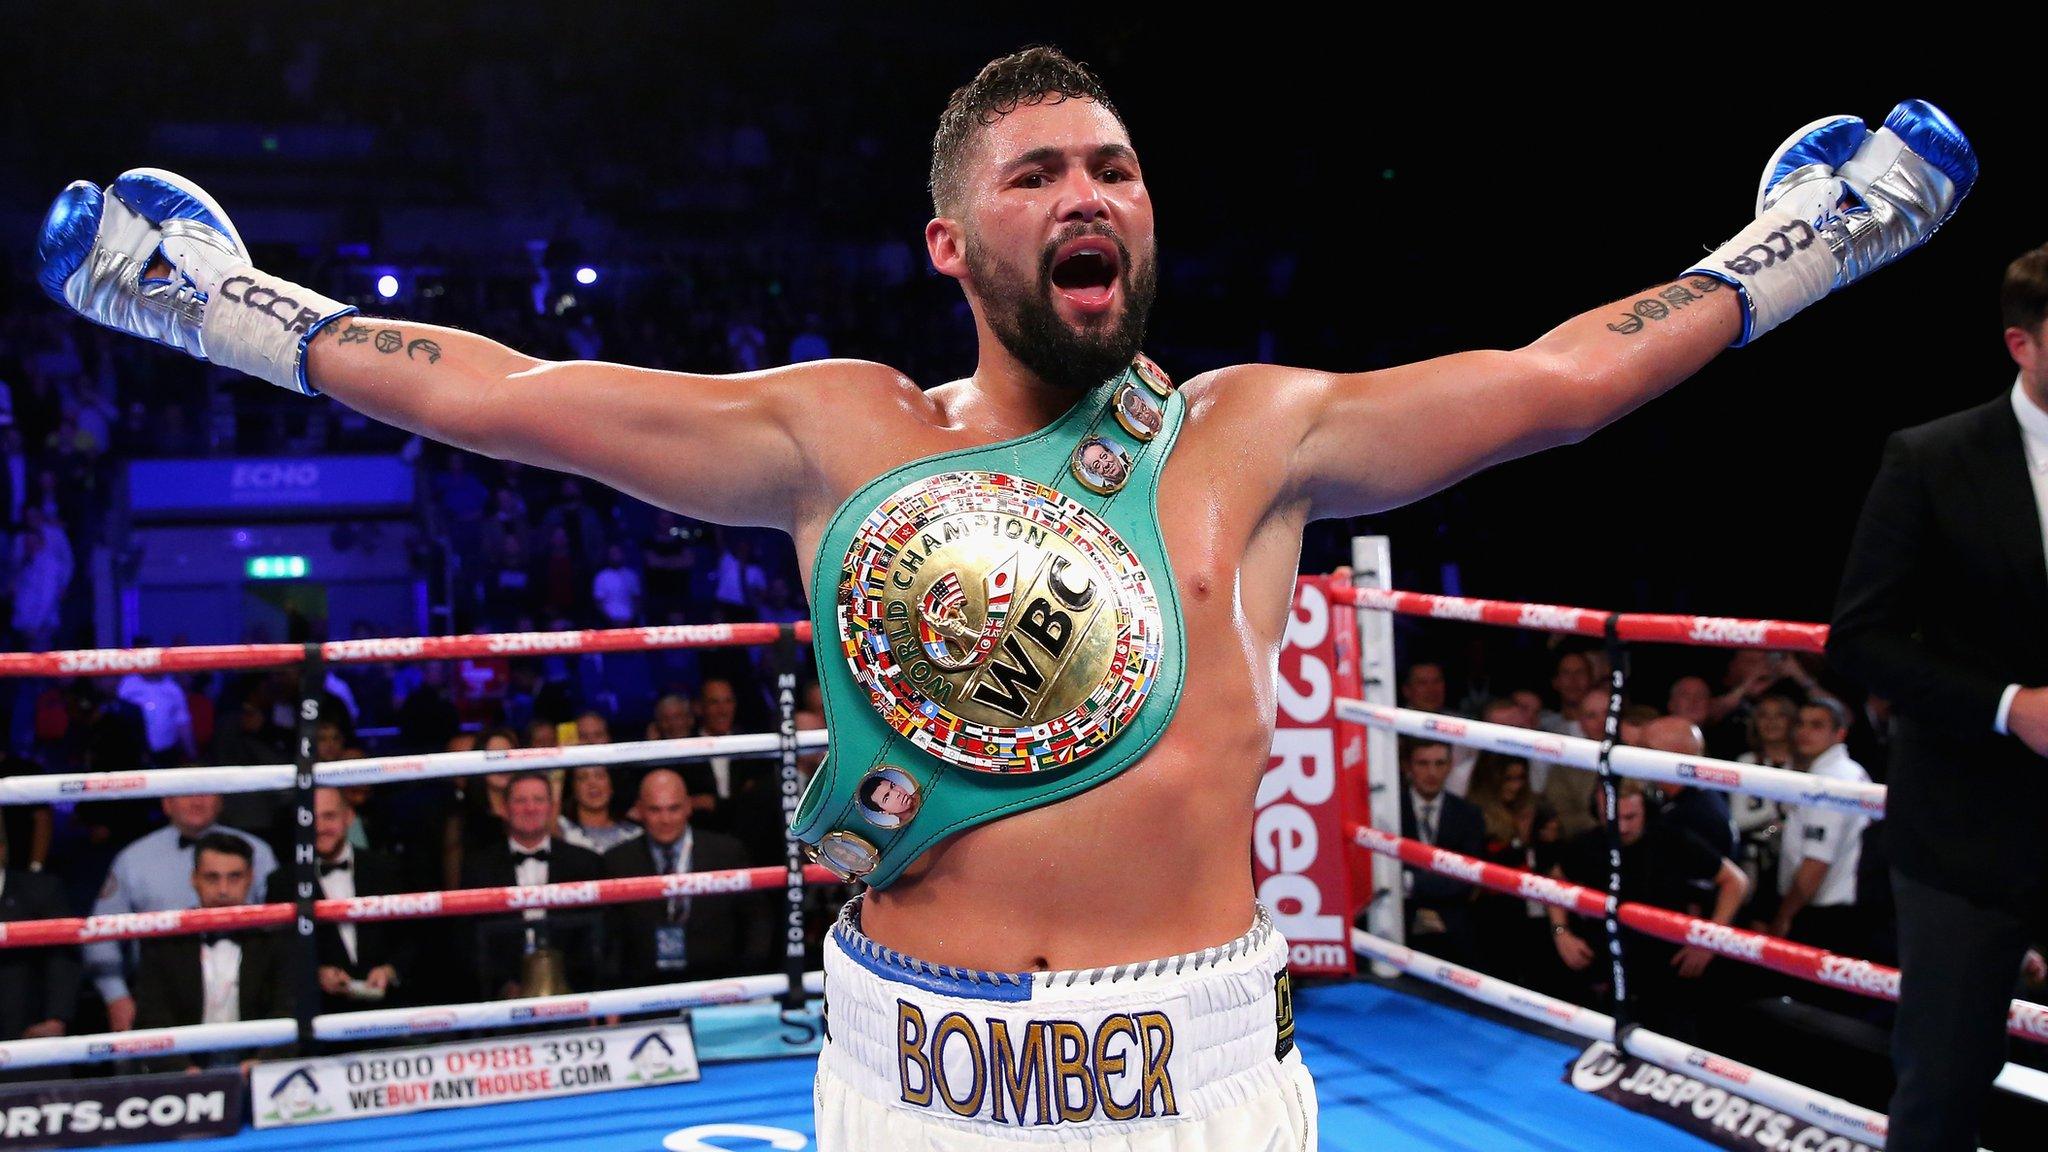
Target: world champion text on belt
(997, 624)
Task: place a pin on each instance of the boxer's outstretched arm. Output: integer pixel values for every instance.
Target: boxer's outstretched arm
(720, 448)
(1838, 201)
(1371, 441)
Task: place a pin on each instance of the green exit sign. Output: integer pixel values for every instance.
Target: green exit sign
(276, 567)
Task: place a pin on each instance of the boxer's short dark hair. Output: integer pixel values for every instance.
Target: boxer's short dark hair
(2023, 298)
(1032, 76)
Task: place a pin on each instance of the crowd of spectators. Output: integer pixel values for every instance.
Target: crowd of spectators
(1807, 873)
(492, 830)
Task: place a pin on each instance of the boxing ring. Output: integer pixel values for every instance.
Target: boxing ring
(1394, 1069)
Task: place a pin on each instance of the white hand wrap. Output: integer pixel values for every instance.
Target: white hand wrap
(1781, 263)
(255, 322)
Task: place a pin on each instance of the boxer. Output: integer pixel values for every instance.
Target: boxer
(1047, 633)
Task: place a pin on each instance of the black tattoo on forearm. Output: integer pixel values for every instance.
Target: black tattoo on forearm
(389, 341)
(1678, 295)
(1663, 304)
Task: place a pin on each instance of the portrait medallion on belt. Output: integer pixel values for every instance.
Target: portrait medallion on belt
(997, 624)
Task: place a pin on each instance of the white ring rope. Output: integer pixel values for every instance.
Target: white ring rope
(145, 1044)
(1816, 1108)
(70, 787)
(389, 1022)
(1639, 763)
(156, 782)
(395, 1022)
(386, 769)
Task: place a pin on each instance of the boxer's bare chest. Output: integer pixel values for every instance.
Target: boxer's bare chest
(1168, 837)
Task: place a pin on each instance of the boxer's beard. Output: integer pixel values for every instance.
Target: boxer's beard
(1022, 315)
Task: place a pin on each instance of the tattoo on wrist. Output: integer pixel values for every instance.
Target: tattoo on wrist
(1663, 303)
(428, 348)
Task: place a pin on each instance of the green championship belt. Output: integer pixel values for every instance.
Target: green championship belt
(1009, 630)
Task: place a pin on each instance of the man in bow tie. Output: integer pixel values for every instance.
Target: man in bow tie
(218, 977)
(151, 875)
(361, 965)
(531, 856)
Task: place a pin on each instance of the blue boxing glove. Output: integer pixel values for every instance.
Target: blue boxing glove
(1838, 202)
(97, 247)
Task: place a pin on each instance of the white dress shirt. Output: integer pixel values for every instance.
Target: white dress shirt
(220, 971)
(340, 884)
(2034, 439)
(530, 871)
(1827, 834)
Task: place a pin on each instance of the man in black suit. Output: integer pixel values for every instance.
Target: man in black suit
(531, 855)
(1439, 908)
(361, 965)
(664, 941)
(38, 986)
(217, 978)
(1943, 610)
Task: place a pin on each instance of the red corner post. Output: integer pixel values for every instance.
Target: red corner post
(1310, 793)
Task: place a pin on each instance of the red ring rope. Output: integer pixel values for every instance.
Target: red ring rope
(404, 906)
(234, 657)
(1702, 631)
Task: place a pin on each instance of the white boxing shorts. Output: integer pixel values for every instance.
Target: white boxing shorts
(1192, 1053)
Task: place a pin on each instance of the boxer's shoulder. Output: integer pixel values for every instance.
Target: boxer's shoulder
(863, 374)
(1253, 384)
(859, 390)
(1271, 397)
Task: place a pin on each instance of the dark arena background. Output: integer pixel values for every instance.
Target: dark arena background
(714, 187)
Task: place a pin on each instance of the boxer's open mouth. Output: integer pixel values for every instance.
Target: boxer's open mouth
(1085, 271)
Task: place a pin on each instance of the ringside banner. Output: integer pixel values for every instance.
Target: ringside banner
(1706, 1110)
(1299, 856)
(120, 1110)
(394, 1081)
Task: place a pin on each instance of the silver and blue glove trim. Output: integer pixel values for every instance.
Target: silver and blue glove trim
(1839, 201)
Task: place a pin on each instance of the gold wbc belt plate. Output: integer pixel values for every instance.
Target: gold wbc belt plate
(997, 624)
